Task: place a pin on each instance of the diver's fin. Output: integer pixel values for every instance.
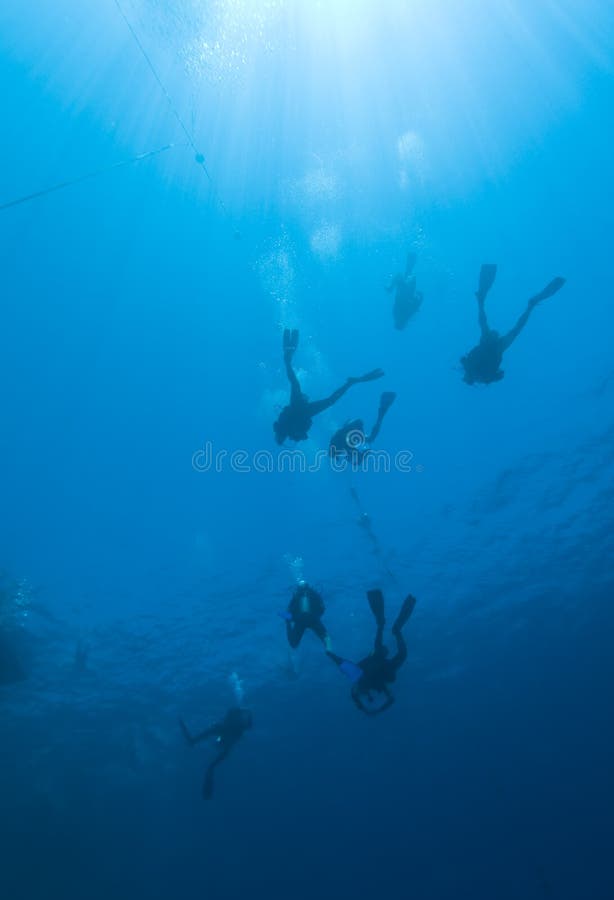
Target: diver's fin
(488, 273)
(349, 669)
(410, 263)
(371, 376)
(376, 602)
(290, 339)
(550, 290)
(386, 401)
(285, 615)
(405, 612)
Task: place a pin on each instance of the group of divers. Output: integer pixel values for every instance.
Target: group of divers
(370, 677)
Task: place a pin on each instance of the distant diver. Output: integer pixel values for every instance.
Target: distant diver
(407, 300)
(305, 612)
(372, 675)
(227, 733)
(350, 443)
(295, 420)
(483, 363)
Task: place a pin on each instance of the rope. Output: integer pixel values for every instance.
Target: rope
(65, 184)
(198, 156)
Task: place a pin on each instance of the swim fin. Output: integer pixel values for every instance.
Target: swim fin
(550, 290)
(488, 273)
(290, 339)
(410, 263)
(349, 669)
(371, 376)
(405, 612)
(376, 602)
(386, 401)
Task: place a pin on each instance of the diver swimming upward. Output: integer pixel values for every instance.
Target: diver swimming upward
(226, 732)
(407, 300)
(296, 418)
(483, 363)
(372, 675)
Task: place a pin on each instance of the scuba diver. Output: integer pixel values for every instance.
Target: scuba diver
(295, 419)
(226, 733)
(483, 363)
(373, 674)
(350, 443)
(407, 300)
(305, 610)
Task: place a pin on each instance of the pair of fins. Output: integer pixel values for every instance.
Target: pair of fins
(290, 340)
(488, 273)
(376, 602)
(385, 402)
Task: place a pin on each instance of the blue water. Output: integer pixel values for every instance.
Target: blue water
(141, 316)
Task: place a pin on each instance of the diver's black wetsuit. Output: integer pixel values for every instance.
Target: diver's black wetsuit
(407, 300)
(374, 673)
(350, 443)
(483, 363)
(296, 418)
(305, 611)
(226, 732)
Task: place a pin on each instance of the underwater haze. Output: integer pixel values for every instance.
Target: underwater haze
(182, 181)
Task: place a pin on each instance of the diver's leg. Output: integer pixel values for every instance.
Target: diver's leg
(295, 387)
(488, 273)
(401, 655)
(386, 401)
(484, 329)
(319, 406)
(376, 602)
(320, 631)
(295, 632)
(208, 782)
(551, 288)
(508, 339)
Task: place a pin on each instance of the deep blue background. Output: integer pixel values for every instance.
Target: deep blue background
(141, 316)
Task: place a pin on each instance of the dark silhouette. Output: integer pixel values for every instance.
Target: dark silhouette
(407, 300)
(305, 611)
(226, 733)
(295, 420)
(350, 442)
(373, 674)
(483, 363)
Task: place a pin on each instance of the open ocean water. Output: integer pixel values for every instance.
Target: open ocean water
(181, 181)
